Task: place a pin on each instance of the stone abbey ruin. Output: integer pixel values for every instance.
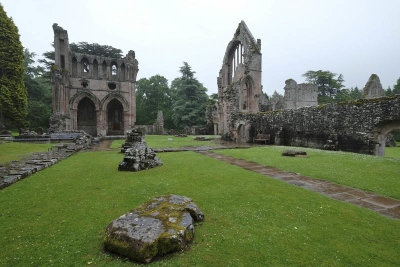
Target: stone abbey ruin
(92, 93)
(97, 94)
(242, 111)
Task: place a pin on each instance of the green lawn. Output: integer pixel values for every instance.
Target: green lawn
(372, 173)
(14, 151)
(393, 152)
(157, 141)
(58, 216)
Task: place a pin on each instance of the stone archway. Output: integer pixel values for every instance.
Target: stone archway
(382, 130)
(115, 118)
(86, 116)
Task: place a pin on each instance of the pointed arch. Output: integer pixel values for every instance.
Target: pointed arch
(104, 102)
(78, 97)
(122, 72)
(86, 116)
(104, 69)
(85, 67)
(74, 66)
(95, 69)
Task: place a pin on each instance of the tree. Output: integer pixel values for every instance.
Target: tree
(355, 93)
(13, 95)
(96, 49)
(39, 93)
(276, 96)
(152, 95)
(48, 61)
(328, 84)
(395, 91)
(212, 99)
(347, 94)
(396, 87)
(190, 99)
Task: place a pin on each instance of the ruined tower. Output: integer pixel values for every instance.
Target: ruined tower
(239, 80)
(300, 95)
(92, 93)
(373, 88)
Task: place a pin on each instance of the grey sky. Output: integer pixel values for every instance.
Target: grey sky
(353, 37)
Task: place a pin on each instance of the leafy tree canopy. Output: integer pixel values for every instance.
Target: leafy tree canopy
(328, 84)
(96, 49)
(13, 95)
(152, 95)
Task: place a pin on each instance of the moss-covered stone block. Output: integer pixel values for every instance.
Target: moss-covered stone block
(159, 226)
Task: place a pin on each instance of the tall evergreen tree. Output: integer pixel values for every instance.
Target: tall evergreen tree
(190, 99)
(39, 93)
(13, 94)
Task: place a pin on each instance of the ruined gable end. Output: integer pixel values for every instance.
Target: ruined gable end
(239, 81)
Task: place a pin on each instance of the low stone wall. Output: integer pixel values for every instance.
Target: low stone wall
(358, 126)
(17, 170)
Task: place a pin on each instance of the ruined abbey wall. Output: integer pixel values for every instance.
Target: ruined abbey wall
(92, 93)
(300, 95)
(360, 126)
(239, 80)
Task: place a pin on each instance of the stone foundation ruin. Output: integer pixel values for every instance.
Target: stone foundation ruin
(138, 156)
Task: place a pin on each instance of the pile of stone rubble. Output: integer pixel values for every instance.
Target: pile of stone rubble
(138, 156)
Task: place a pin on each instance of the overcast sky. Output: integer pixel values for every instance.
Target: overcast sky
(353, 37)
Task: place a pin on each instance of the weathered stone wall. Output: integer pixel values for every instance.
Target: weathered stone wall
(360, 126)
(300, 95)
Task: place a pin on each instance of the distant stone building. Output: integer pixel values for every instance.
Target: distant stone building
(373, 88)
(239, 80)
(92, 93)
(300, 95)
(296, 96)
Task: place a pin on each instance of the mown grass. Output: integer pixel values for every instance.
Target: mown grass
(392, 152)
(157, 141)
(14, 151)
(372, 173)
(58, 216)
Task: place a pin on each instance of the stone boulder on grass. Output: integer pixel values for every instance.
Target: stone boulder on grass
(159, 226)
(295, 153)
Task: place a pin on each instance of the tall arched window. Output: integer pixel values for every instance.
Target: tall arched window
(74, 67)
(114, 69)
(104, 69)
(95, 69)
(247, 94)
(122, 76)
(235, 59)
(85, 66)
